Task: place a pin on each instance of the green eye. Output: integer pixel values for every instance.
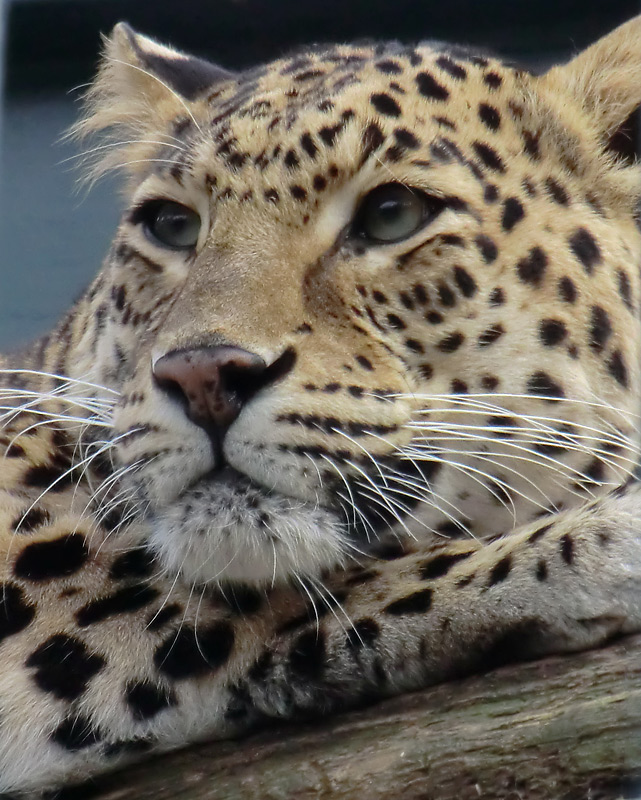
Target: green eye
(169, 224)
(393, 212)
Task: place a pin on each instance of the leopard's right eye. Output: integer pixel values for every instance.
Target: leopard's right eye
(168, 224)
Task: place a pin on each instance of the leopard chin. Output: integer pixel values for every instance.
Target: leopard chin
(227, 529)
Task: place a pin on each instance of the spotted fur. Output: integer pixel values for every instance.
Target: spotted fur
(429, 465)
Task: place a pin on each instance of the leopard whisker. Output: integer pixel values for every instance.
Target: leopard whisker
(332, 603)
(86, 155)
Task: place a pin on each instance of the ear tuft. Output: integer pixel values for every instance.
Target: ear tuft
(141, 87)
(605, 78)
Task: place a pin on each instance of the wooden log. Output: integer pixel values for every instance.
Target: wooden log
(564, 728)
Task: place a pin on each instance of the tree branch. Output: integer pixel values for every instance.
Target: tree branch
(564, 728)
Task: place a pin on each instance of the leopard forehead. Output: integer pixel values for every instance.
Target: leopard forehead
(286, 133)
(284, 119)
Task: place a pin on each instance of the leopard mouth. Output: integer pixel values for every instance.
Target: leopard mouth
(226, 527)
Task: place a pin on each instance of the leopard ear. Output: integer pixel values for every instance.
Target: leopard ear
(140, 89)
(150, 68)
(605, 78)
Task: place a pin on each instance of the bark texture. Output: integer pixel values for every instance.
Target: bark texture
(564, 728)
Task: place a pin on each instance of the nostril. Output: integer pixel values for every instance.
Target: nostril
(172, 389)
(241, 381)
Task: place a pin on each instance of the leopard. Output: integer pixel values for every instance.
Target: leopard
(351, 408)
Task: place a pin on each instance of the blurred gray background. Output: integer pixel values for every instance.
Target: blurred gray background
(53, 238)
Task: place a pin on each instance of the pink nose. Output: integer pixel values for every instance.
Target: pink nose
(213, 382)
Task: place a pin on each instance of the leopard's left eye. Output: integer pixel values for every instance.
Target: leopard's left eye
(168, 224)
(393, 212)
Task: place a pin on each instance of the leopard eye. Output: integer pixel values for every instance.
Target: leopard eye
(393, 212)
(169, 224)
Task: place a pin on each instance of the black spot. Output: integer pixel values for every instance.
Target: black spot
(75, 733)
(414, 345)
(445, 295)
(541, 570)
(406, 300)
(123, 601)
(556, 192)
(291, 160)
(489, 156)
(490, 335)
(64, 666)
(490, 116)
(451, 342)
(451, 67)
(329, 133)
(567, 548)
(396, 322)
(388, 67)
(500, 571)
(55, 558)
(541, 383)
(465, 281)
(146, 699)
(459, 387)
(389, 551)
(490, 193)
(487, 248)
(532, 268)
(531, 145)
(136, 563)
(493, 80)
(319, 183)
(163, 616)
(243, 599)
(497, 297)
(434, 318)
(298, 193)
(512, 213)
(489, 382)
(440, 565)
(187, 653)
(30, 519)
(624, 288)
(406, 139)
(585, 248)
(15, 612)
(552, 331)
(567, 289)
(363, 633)
(430, 88)
(307, 655)
(271, 195)
(600, 328)
(373, 138)
(54, 477)
(618, 369)
(308, 145)
(385, 104)
(426, 371)
(416, 603)
(539, 533)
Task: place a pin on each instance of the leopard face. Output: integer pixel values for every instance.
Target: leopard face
(359, 293)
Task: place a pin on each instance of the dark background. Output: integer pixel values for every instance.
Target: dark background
(53, 238)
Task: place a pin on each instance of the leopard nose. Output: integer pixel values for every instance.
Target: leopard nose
(214, 383)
